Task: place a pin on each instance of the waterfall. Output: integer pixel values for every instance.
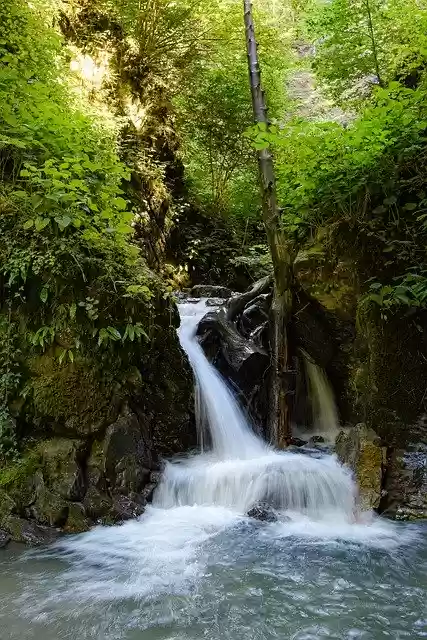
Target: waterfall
(241, 469)
(325, 415)
(198, 521)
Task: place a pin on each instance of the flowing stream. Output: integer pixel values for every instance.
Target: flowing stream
(195, 567)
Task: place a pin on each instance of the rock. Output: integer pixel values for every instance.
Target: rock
(70, 398)
(244, 357)
(77, 522)
(360, 449)
(255, 314)
(7, 505)
(298, 442)
(128, 458)
(125, 509)
(4, 539)
(49, 508)
(215, 302)
(405, 495)
(210, 291)
(62, 471)
(262, 511)
(148, 490)
(316, 439)
(97, 505)
(29, 532)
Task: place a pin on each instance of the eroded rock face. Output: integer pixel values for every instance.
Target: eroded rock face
(360, 449)
(406, 483)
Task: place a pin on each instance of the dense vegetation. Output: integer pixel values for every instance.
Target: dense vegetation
(128, 169)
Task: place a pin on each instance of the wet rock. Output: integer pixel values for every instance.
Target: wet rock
(76, 520)
(263, 512)
(360, 449)
(298, 442)
(148, 491)
(215, 302)
(29, 532)
(4, 539)
(244, 357)
(49, 508)
(255, 314)
(210, 291)
(125, 509)
(97, 505)
(405, 489)
(316, 440)
(128, 458)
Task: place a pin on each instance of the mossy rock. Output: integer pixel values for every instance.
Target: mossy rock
(49, 508)
(360, 449)
(71, 399)
(77, 522)
(21, 479)
(62, 470)
(7, 505)
(28, 532)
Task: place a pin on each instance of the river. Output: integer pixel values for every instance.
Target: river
(194, 566)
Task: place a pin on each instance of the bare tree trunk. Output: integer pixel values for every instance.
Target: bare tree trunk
(281, 385)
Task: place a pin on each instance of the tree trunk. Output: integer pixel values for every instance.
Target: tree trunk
(282, 378)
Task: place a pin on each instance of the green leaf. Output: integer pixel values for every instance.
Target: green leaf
(41, 223)
(73, 309)
(71, 355)
(114, 333)
(63, 222)
(28, 224)
(120, 203)
(44, 293)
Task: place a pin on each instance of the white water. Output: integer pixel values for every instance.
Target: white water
(325, 415)
(195, 566)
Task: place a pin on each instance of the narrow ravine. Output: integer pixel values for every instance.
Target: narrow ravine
(194, 565)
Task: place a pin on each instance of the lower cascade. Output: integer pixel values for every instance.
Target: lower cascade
(196, 565)
(241, 469)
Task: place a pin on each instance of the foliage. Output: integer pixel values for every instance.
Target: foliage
(373, 40)
(71, 280)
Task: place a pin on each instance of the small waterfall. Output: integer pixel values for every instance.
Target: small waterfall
(325, 415)
(241, 469)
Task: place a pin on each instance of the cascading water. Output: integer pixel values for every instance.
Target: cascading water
(241, 469)
(325, 415)
(195, 566)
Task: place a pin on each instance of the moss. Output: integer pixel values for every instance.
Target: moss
(18, 472)
(71, 398)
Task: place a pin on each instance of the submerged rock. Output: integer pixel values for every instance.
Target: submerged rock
(263, 512)
(360, 449)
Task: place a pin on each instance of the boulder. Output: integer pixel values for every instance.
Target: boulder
(76, 519)
(406, 483)
(210, 291)
(127, 457)
(96, 504)
(360, 449)
(263, 512)
(62, 461)
(49, 508)
(28, 532)
(244, 357)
